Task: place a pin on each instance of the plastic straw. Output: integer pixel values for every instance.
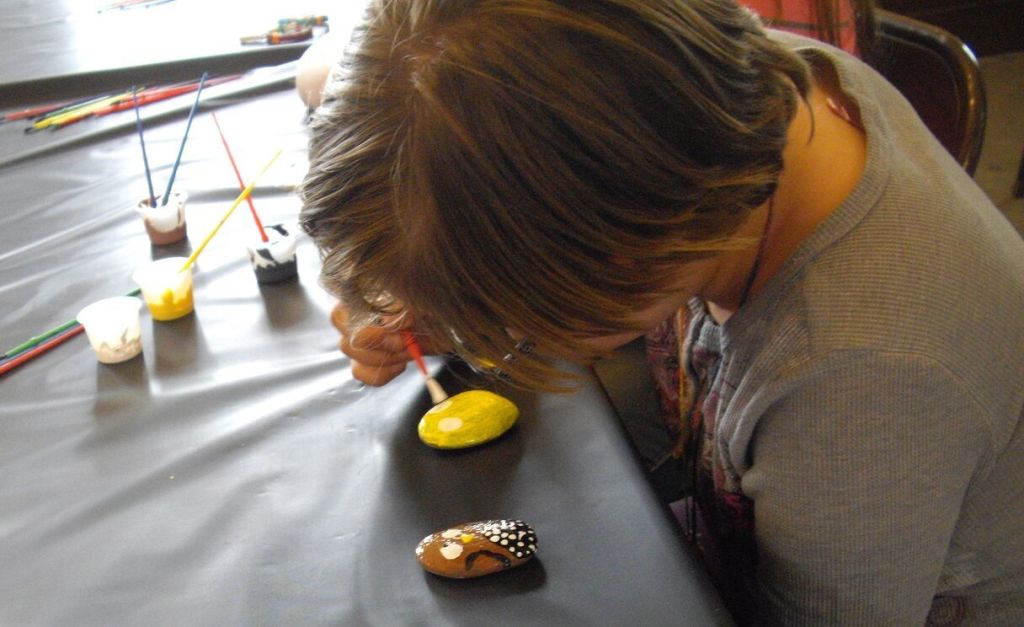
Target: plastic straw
(181, 149)
(142, 142)
(245, 193)
(238, 175)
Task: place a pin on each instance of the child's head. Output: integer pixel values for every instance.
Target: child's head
(540, 165)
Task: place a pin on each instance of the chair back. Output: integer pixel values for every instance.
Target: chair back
(939, 75)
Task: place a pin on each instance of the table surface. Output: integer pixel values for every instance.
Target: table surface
(235, 473)
(69, 47)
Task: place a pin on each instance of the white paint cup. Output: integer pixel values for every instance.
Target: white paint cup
(112, 325)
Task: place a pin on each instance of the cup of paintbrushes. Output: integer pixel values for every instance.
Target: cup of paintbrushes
(165, 223)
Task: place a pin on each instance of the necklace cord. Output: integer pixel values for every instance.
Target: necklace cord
(755, 269)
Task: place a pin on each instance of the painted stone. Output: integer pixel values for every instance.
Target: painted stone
(477, 549)
(467, 419)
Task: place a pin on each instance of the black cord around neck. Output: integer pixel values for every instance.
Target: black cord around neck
(762, 245)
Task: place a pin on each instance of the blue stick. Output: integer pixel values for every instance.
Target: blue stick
(142, 142)
(181, 149)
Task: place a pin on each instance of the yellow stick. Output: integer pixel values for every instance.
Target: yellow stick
(227, 214)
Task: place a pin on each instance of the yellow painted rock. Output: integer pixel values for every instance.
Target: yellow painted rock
(477, 549)
(467, 419)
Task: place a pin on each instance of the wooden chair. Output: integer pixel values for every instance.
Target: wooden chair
(940, 77)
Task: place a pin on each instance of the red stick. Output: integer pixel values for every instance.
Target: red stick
(238, 175)
(28, 355)
(32, 112)
(414, 349)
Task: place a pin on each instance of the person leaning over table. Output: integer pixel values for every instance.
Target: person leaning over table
(570, 175)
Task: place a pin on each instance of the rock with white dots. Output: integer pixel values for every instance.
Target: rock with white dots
(477, 549)
(467, 419)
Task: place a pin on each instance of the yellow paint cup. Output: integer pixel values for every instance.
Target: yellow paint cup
(166, 288)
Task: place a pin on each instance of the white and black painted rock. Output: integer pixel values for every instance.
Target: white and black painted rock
(477, 549)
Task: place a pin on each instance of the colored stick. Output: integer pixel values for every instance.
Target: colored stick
(437, 393)
(181, 149)
(11, 364)
(238, 175)
(142, 142)
(150, 96)
(35, 112)
(24, 346)
(245, 193)
(75, 113)
(70, 106)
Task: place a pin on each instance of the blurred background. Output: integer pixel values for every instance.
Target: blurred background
(994, 30)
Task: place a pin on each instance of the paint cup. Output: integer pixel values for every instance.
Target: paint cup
(274, 260)
(166, 288)
(112, 325)
(165, 224)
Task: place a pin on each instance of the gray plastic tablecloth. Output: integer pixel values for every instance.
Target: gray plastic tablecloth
(235, 473)
(50, 46)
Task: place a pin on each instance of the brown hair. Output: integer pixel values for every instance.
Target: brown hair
(483, 161)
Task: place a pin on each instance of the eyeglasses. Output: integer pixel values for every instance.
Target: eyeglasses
(488, 368)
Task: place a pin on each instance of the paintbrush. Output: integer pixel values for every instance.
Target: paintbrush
(145, 159)
(437, 393)
(238, 175)
(10, 364)
(181, 149)
(245, 193)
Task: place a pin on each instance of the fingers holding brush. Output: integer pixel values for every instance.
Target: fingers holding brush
(378, 352)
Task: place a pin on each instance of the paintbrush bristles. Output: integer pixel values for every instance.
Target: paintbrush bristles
(437, 393)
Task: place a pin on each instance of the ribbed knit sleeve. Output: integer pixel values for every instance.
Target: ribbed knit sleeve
(860, 466)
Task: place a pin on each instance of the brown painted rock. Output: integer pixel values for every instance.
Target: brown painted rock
(477, 549)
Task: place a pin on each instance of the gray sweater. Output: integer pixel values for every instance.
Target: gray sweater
(868, 400)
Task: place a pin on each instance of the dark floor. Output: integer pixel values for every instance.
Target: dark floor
(1004, 132)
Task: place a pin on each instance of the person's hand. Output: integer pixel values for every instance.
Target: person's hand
(378, 352)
